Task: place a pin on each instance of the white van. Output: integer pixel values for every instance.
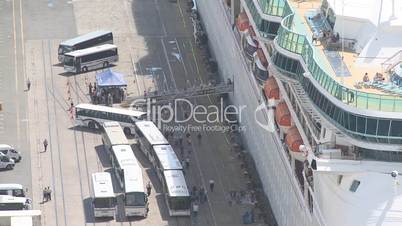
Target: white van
(10, 152)
(6, 162)
(16, 190)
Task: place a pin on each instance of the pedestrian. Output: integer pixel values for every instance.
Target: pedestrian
(195, 209)
(183, 163)
(45, 144)
(211, 185)
(181, 141)
(45, 199)
(188, 135)
(203, 195)
(49, 193)
(90, 88)
(181, 151)
(28, 84)
(149, 188)
(314, 38)
(199, 136)
(188, 141)
(187, 162)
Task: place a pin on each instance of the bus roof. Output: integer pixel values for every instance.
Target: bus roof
(115, 133)
(133, 181)
(12, 199)
(122, 111)
(151, 132)
(167, 157)
(83, 38)
(125, 156)
(95, 49)
(102, 185)
(176, 183)
(10, 186)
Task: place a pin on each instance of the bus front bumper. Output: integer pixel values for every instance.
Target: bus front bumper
(135, 211)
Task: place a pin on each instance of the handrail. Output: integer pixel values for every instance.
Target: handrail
(393, 64)
(299, 44)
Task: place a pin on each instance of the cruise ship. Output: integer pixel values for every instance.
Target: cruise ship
(322, 82)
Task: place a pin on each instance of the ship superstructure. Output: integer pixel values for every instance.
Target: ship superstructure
(328, 76)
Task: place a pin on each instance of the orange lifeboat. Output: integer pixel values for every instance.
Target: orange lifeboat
(271, 89)
(293, 140)
(282, 116)
(242, 22)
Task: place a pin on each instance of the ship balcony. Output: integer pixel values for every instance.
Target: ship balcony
(294, 36)
(249, 44)
(260, 67)
(266, 16)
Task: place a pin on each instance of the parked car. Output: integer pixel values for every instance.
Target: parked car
(10, 152)
(6, 162)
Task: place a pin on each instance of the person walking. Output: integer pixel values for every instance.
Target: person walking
(45, 143)
(149, 188)
(49, 194)
(28, 84)
(187, 163)
(211, 185)
(199, 136)
(45, 199)
(195, 209)
(203, 195)
(90, 88)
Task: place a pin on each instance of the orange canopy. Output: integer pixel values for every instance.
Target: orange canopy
(242, 21)
(293, 139)
(282, 114)
(271, 89)
(262, 57)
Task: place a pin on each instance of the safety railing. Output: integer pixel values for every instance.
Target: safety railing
(299, 44)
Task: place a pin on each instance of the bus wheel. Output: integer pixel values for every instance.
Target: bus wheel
(105, 64)
(127, 131)
(91, 125)
(84, 69)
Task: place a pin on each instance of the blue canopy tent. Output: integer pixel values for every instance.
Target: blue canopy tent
(110, 79)
(109, 88)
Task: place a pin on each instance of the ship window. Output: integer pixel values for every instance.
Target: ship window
(396, 128)
(383, 127)
(354, 186)
(361, 124)
(352, 122)
(371, 126)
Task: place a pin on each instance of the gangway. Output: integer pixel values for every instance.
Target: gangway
(156, 97)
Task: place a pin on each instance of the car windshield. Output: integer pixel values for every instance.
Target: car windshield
(18, 193)
(69, 60)
(135, 199)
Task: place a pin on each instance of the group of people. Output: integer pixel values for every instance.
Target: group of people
(47, 194)
(106, 96)
(378, 77)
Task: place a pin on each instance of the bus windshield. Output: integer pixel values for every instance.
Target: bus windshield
(64, 49)
(135, 199)
(179, 203)
(69, 60)
(103, 202)
(18, 193)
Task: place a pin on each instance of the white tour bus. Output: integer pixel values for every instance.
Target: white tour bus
(16, 190)
(164, 158)
(91, 58)
(122, 157)
(104, 199)
(8, 202)
(91, 39)
(112, 134)
(94, 115)
(135, 197)
(149, 135)
(176, 193)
